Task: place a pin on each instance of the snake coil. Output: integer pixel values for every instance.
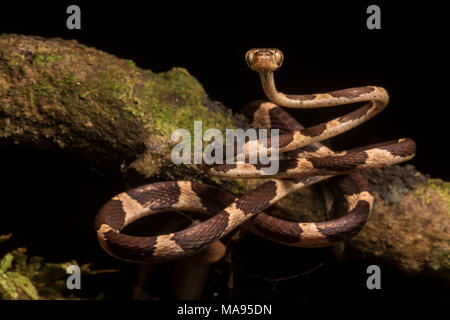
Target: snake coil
(307, 161)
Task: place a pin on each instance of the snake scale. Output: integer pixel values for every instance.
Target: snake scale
(306, 162)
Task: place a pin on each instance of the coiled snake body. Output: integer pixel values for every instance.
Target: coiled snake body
(307, 162)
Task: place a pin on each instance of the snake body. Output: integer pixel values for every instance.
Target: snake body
(306, 162)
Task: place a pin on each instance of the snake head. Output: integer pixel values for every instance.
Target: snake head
(264, 59)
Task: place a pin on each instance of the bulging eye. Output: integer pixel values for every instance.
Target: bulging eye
(278, 57)
(249, 57)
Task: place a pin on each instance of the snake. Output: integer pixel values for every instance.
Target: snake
(304, 162)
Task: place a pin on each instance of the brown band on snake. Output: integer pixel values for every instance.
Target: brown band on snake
(400, 148)
(250, 109)
(281, 120)
(351, 92)
(301, 97)
(313, 161)
(358, 113)
(201, 235)
(159, 193)
(314, 131)
(285, 140)
(205, 195)
(112, 214)
(277, 229)
(250, 204)
(333, 230)
(129, 248)
(340, 163)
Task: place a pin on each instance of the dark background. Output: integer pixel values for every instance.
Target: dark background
(327, 47)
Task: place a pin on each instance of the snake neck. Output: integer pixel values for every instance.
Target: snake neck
(378, 95)
(268, 84)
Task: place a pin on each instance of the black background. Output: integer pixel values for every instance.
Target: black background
(327, 47)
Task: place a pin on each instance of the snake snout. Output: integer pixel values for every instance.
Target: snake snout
(264, 59)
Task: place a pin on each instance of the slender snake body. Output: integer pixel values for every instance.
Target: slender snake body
(308, 162)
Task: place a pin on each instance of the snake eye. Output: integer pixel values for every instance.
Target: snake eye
(278, 57)
(249, 57)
